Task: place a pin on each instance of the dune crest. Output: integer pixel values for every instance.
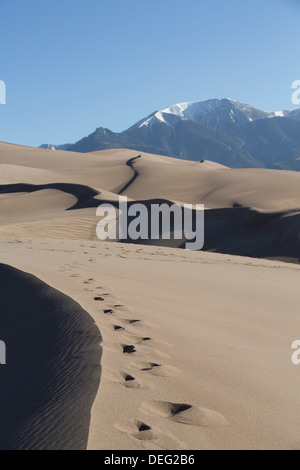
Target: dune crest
(53, 366)
(249, 212)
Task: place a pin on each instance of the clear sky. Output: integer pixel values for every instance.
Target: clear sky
(71, 66)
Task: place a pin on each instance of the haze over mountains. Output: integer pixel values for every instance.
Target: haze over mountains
(222, 130)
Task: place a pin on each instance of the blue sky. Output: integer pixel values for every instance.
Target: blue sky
(71, 66)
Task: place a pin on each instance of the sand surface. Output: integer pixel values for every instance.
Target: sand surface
(196, 346)
(54, 194)
(53, 362)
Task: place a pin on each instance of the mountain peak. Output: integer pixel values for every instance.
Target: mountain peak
(223, 130)
(211, 113)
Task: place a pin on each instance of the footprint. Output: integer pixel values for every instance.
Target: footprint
(89, 281)
(124, 379)
(138, 339)
(143, 432)
(137, 429)
(128, 349)
(148, 341)
(118, 328)
(130, 381)
(135, 323)
(145, 339)
(184, 413)
(158, 370)
(139, 323)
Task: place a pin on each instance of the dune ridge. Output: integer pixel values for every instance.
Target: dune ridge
(249, 212)
(53, 369)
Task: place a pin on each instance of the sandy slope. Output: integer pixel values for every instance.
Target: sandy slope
(197, 346)
(53, 357)
(249, 212)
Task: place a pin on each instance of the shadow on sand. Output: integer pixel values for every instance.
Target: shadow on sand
(53, 369)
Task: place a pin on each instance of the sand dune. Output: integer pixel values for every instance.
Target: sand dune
(53, 370)
(249, 212)
(196, 345)
(268, 190)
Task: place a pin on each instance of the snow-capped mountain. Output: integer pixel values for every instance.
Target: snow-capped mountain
(55, 147)
(217, 114)
(222, 130)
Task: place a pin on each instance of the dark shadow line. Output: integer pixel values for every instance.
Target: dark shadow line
(84, 194)
(130, 163)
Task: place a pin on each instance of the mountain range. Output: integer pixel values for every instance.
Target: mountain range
(223, 130)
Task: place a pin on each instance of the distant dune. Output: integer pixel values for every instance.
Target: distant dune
(250, 212)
